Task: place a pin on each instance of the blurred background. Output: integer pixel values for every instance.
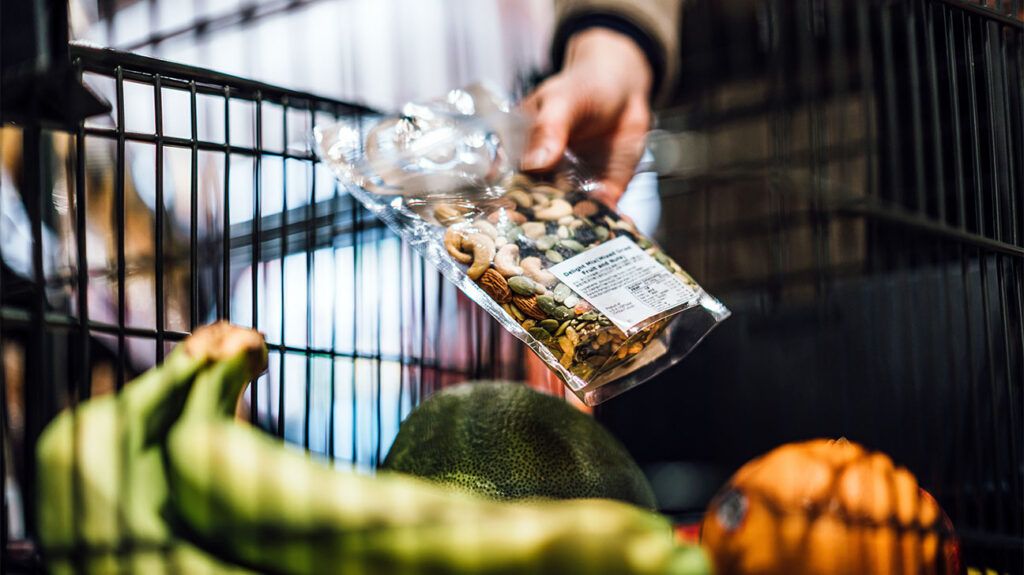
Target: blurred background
(846, 177)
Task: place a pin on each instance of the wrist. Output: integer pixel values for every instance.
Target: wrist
(601, 50)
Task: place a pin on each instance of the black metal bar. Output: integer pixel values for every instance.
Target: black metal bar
(931, 71)
(193, 234)
(201, 145)
(60, 323)
(893, 157)
(331, 425)
(83, 389)
(257, 215)
(916, 113)
(159, 218)
(986, 13)
(225, 309)
(377, 389)
(207, 81)
(954, 95)
(356, 235)
(119, 226)
(120, 235)
(994, 126)
(975, 132)
(308, 231)
(82, 255)
(34, 399)
(283, 255)
(421, 377)
(404, 357)
(864, 44)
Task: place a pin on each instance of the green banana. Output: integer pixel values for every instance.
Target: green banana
(277, 508)
(102, 487)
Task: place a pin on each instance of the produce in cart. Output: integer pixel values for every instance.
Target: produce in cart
(827, 507)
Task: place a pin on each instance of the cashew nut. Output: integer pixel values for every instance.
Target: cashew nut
(549, 191)
(534, 230)
(533, 268)
(453, 238)
(557, 210)
(447, 214)
(483, 226)
(504, 215)
(483, 253)
(520, 197)
(506, 260)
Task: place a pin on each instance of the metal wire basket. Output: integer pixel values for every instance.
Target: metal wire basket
(847, 176)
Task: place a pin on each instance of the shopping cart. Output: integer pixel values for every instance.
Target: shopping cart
(847, 176)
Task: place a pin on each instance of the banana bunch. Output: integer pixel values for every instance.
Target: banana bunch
(275, 508)
(102, 486)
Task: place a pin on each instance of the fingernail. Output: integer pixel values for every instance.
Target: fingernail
(536, 159)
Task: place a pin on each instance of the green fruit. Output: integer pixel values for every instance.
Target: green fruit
(505, 436)
(279, 509)
(690, 560)
(102, 487)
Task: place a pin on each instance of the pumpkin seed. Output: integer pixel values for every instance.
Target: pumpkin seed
(522, 285)
(514, 311)
(572, 245)
(562, 313)
(563, 328)
(547, 304)
(550, 325)
(545, 243)
(602, 232)
(554, 257)
(539, 333)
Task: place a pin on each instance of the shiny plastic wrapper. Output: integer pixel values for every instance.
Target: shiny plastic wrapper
(598, 301)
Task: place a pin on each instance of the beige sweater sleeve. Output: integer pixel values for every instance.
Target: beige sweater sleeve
(658, 18)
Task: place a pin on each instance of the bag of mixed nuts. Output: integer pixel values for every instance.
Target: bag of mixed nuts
(598, 301)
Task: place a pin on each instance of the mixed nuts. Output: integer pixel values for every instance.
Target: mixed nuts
(509, 246)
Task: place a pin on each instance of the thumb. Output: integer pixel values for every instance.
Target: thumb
(554, 118)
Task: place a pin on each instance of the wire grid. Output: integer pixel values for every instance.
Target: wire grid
(909, 295)
(358, 328)
(855, 194)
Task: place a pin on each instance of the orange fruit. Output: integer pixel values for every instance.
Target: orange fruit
(827, 507)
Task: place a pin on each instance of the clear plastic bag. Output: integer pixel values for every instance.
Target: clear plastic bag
(599, 302)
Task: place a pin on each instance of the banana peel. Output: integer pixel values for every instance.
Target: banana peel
(278, 509)
(102, 483)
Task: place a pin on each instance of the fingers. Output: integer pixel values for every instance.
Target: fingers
(625, 151)
(616, 154)
(555, 115)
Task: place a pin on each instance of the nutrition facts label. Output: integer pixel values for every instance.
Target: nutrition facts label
(623, 282)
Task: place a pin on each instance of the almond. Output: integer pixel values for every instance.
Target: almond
(529, 307)
(495, 285)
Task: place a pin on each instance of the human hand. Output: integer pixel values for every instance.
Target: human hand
(598, 106)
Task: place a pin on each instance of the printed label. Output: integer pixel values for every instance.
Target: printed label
(623, 282)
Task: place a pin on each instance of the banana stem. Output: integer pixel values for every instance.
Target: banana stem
(216, 389)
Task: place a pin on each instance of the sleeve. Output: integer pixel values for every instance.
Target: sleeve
(653, 24)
